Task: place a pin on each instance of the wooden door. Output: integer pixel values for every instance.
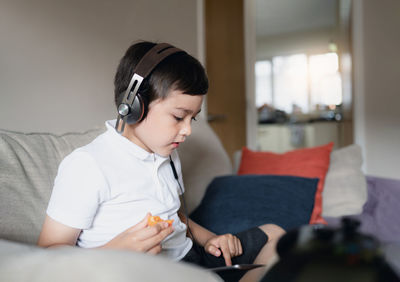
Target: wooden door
(226, 102)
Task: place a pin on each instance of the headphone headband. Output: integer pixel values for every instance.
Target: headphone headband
(145, 66)
(153, 57)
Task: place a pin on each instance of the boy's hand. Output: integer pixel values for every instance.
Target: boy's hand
(141, 237)
(228, 244)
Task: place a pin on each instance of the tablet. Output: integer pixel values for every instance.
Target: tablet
(236, 267)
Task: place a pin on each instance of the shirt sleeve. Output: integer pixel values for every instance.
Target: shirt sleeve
(79, 189)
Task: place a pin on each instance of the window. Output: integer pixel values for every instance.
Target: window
(325, 81)
(263, 83)
(299, 82)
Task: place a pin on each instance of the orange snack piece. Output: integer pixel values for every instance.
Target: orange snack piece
(153, 220)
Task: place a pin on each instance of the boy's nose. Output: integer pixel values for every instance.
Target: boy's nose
(186, 130)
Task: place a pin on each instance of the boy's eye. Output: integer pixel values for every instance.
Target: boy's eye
(178, 118)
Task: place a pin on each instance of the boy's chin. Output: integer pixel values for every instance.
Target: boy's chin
(164, 153)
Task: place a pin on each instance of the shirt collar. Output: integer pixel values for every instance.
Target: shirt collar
(131, 147)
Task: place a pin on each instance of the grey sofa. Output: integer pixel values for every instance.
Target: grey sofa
(28, 165)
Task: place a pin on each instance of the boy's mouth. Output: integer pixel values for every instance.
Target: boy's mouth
(175, 144)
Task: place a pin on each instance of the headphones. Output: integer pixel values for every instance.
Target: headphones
(132, 108)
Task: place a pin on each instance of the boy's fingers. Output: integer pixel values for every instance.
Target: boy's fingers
(149, 242)
(232, 247)
(226, 253)
(160, 235)
(149, 232)
(165, 231)
(211, 249)
(155, 250)
(237, 246)
(140, 225)
(235, 243)
(240, 248)
(227, 257)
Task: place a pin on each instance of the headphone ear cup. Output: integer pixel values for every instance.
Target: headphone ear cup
(137, 110)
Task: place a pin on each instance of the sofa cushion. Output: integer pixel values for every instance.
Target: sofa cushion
(345, 190)
(203, 158)
(308, 162)
(75, 264)
(238, 202)
(382, 208)
(380, 213)
(28, 165)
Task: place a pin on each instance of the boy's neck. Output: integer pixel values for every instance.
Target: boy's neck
(130, 135)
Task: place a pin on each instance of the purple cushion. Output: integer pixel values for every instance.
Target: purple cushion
(380, 216)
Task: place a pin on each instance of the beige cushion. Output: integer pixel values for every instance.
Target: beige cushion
(345, 190)
(203, 158)
(28, 165)
(26, 263)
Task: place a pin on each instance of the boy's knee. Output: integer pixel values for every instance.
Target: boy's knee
(273, 231)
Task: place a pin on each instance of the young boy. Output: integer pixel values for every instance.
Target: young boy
(105, 191)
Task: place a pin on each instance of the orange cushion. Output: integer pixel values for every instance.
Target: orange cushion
(309, 162)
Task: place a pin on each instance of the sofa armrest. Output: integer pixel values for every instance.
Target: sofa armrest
(19, 262)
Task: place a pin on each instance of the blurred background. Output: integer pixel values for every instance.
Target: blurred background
(303, 91)
(283, 74)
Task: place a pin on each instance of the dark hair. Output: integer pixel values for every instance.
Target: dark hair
(179, 71)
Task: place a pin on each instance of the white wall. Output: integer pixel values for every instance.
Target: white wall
(315, 41)
(377, 83)
(58, 58)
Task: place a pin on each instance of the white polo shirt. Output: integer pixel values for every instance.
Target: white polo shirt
(110, 185)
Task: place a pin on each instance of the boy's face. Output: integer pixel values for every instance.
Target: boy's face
(167, 124)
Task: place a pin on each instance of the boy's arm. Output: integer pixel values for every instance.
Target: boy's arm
(227, 245)
(140, 237)
(57, 234)
(201, 234)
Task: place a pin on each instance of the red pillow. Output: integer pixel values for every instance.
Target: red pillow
(308, 162)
